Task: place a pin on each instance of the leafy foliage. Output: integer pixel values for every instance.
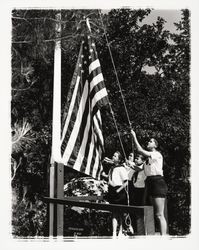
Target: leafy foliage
(20, 137)
(158, 103)
(30, 221)
(82, 221)
(85, 186)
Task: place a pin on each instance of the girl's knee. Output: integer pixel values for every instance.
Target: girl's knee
(159, 215)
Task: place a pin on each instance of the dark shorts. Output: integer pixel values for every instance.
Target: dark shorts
(116, 198)
(136, 195)
(156, 186)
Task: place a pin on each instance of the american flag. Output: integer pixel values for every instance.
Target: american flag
(82, 141)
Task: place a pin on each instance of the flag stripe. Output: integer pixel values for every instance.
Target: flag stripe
(98, 129)
(81, 153)
(89, 146)
(96, 89)
(98, 157)
(76, 126)
(76, 137)
(75, 83)
(98, 78)
(71, 108)
(94, 155)
(94, 73)
(82, 139)
(98, 97)
(89, 149)
(94, 65)
(90, 155)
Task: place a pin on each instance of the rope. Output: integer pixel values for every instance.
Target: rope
(127, 219)
(117, 129)
(115, 71)
(117, 79)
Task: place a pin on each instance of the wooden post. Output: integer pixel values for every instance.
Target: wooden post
(145, 221)
(144, 214)
(60, 195)
(52, 195)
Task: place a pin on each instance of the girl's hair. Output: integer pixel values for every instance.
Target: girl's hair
(156, 142)
(120, 157)
(142, 156)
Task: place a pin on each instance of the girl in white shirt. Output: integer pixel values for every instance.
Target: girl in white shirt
(117, 180)
(155, 183)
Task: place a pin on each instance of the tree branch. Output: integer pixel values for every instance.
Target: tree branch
(13, 89)
(73, 35)
(16, 167)
(40, 18)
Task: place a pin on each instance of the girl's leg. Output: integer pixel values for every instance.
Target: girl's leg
(158, 204)
(114, 223)
(120, 225)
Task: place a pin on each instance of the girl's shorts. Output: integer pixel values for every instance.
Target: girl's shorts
(156, 186)
(116, 198)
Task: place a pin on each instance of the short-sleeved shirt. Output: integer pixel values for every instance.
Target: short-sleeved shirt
(129, 169)
(154, 165)
(140, 181)
(119, 176)
(130, 173)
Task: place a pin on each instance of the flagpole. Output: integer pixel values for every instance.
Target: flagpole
(56, 169)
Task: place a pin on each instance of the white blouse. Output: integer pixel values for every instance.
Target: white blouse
(119, 176)
(140, 182)
(154, 166)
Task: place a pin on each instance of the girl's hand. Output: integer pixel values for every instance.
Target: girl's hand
(106, 159)
(132, 165)
(129, 164)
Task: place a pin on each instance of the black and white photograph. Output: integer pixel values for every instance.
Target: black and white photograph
(100, 120)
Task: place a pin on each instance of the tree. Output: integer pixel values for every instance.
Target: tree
(179, 105)
(158, 103)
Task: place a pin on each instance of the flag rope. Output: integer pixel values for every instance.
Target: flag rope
(115, 122)
(115, 71)
(117, 79)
